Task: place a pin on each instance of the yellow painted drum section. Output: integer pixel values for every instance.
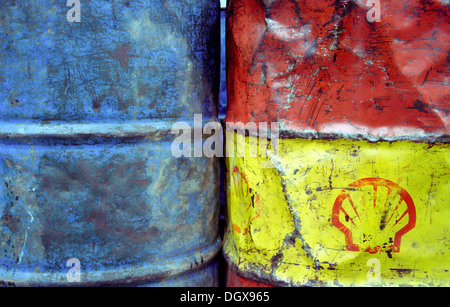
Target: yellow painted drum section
(340, 212)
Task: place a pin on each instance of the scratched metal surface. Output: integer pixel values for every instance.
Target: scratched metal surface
(320, 68)
(363, 114)
(86, 169)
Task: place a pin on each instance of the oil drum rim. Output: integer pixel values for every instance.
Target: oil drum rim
(262, 277)
(133, 275)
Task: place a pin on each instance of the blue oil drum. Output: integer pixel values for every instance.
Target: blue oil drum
(90, 193)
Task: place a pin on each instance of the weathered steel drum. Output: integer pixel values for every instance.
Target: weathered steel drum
(355, 188)
(86, 169)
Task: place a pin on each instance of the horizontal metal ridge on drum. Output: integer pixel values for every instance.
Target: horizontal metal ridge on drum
(424, 137)
(140, 128)
(286, 133)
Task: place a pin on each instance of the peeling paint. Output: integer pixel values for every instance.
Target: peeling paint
(363, 168)
(86, 169)
(314, 200)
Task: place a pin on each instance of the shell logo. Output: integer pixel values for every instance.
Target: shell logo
(374, 214)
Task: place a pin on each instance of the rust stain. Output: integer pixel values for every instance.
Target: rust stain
(236, 228)
(122, 54)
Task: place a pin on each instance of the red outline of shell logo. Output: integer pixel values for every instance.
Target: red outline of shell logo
(394, 191)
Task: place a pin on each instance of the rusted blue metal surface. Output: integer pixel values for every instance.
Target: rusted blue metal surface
(86, 169)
